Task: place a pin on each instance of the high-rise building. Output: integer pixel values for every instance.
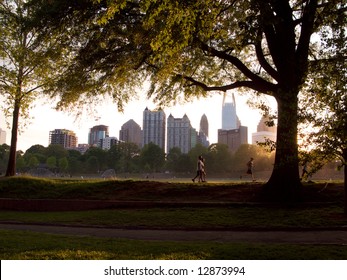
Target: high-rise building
(131, 132)
(2, 136)
(202, 139)
(179, 133)
(264, 132)
(97, 133)
(64, 137)
(232, 133)
(229, 116)
(202, 136)
(107, 142)
(233, 138)
(154, 125)
(204, 125)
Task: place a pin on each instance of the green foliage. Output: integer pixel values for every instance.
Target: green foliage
(129, 158)
(26, 66)
(51, 162)
(63, 164)
(4, 153)
(325, 104)
(152, 157)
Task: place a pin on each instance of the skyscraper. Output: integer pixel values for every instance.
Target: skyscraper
(179, 133)
(131, 132)
(64, 137)
(229, 116)
(203, 132)
(232, 133)
(204, 125)
(154, 125)
(107, 142)
(96, 133)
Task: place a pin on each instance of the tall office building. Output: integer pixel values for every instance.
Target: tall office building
(264, 132)
(233, 138)
(229, 116)
(131, 132)
(179, 133)
(204, 125)
(232, 133)
(107, 142)
(97, 133)
(64, 137)
(202, 136)
(2, 136)
(154, 125)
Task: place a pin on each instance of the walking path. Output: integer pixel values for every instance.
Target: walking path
(328, 236)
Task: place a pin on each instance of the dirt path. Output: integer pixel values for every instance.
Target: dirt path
(276, 236)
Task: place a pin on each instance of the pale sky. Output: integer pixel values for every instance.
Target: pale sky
(46, 119)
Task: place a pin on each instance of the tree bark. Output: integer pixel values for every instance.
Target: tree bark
(344, 152)
(284, 183)
(345, 183)
(11, 166)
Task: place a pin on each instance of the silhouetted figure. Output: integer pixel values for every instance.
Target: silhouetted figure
(250, 168)
(199, 169)
(304, 173)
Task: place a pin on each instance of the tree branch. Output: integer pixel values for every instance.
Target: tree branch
(263, 62)
(237, 84)
(305, 36)
(259, 83)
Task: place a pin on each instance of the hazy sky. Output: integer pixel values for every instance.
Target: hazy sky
(46, 119)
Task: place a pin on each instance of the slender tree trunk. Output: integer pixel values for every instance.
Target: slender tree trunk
(11, 166)
(284, 183)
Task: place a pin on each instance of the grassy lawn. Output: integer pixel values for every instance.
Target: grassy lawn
(26, 245)
(193, 218)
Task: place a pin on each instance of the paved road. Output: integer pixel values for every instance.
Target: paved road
(289, 237)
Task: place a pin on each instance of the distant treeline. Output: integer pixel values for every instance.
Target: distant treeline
(129, 158)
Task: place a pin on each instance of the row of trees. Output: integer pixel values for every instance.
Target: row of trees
(76, 51)
(128, 158)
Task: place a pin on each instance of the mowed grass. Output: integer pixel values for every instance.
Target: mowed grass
(30, 245)
(26, 245)
(189, 218)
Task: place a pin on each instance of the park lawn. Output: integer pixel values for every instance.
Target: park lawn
(29, 245)
(21, 245)
(190, 218)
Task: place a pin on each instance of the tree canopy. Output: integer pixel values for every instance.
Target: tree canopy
(27, 61)
(192, 48)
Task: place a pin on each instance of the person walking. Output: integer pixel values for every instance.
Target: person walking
(250, 168)
(203, 170)
(199, 169)
(304, 174)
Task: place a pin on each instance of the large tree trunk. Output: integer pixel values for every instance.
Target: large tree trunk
(284, 183)
(345, 183)
(344, 152)
(11, 166)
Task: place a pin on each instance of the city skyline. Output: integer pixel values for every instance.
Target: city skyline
(46, 119)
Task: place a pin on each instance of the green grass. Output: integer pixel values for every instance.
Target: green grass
(27, 245)
(197, 218)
